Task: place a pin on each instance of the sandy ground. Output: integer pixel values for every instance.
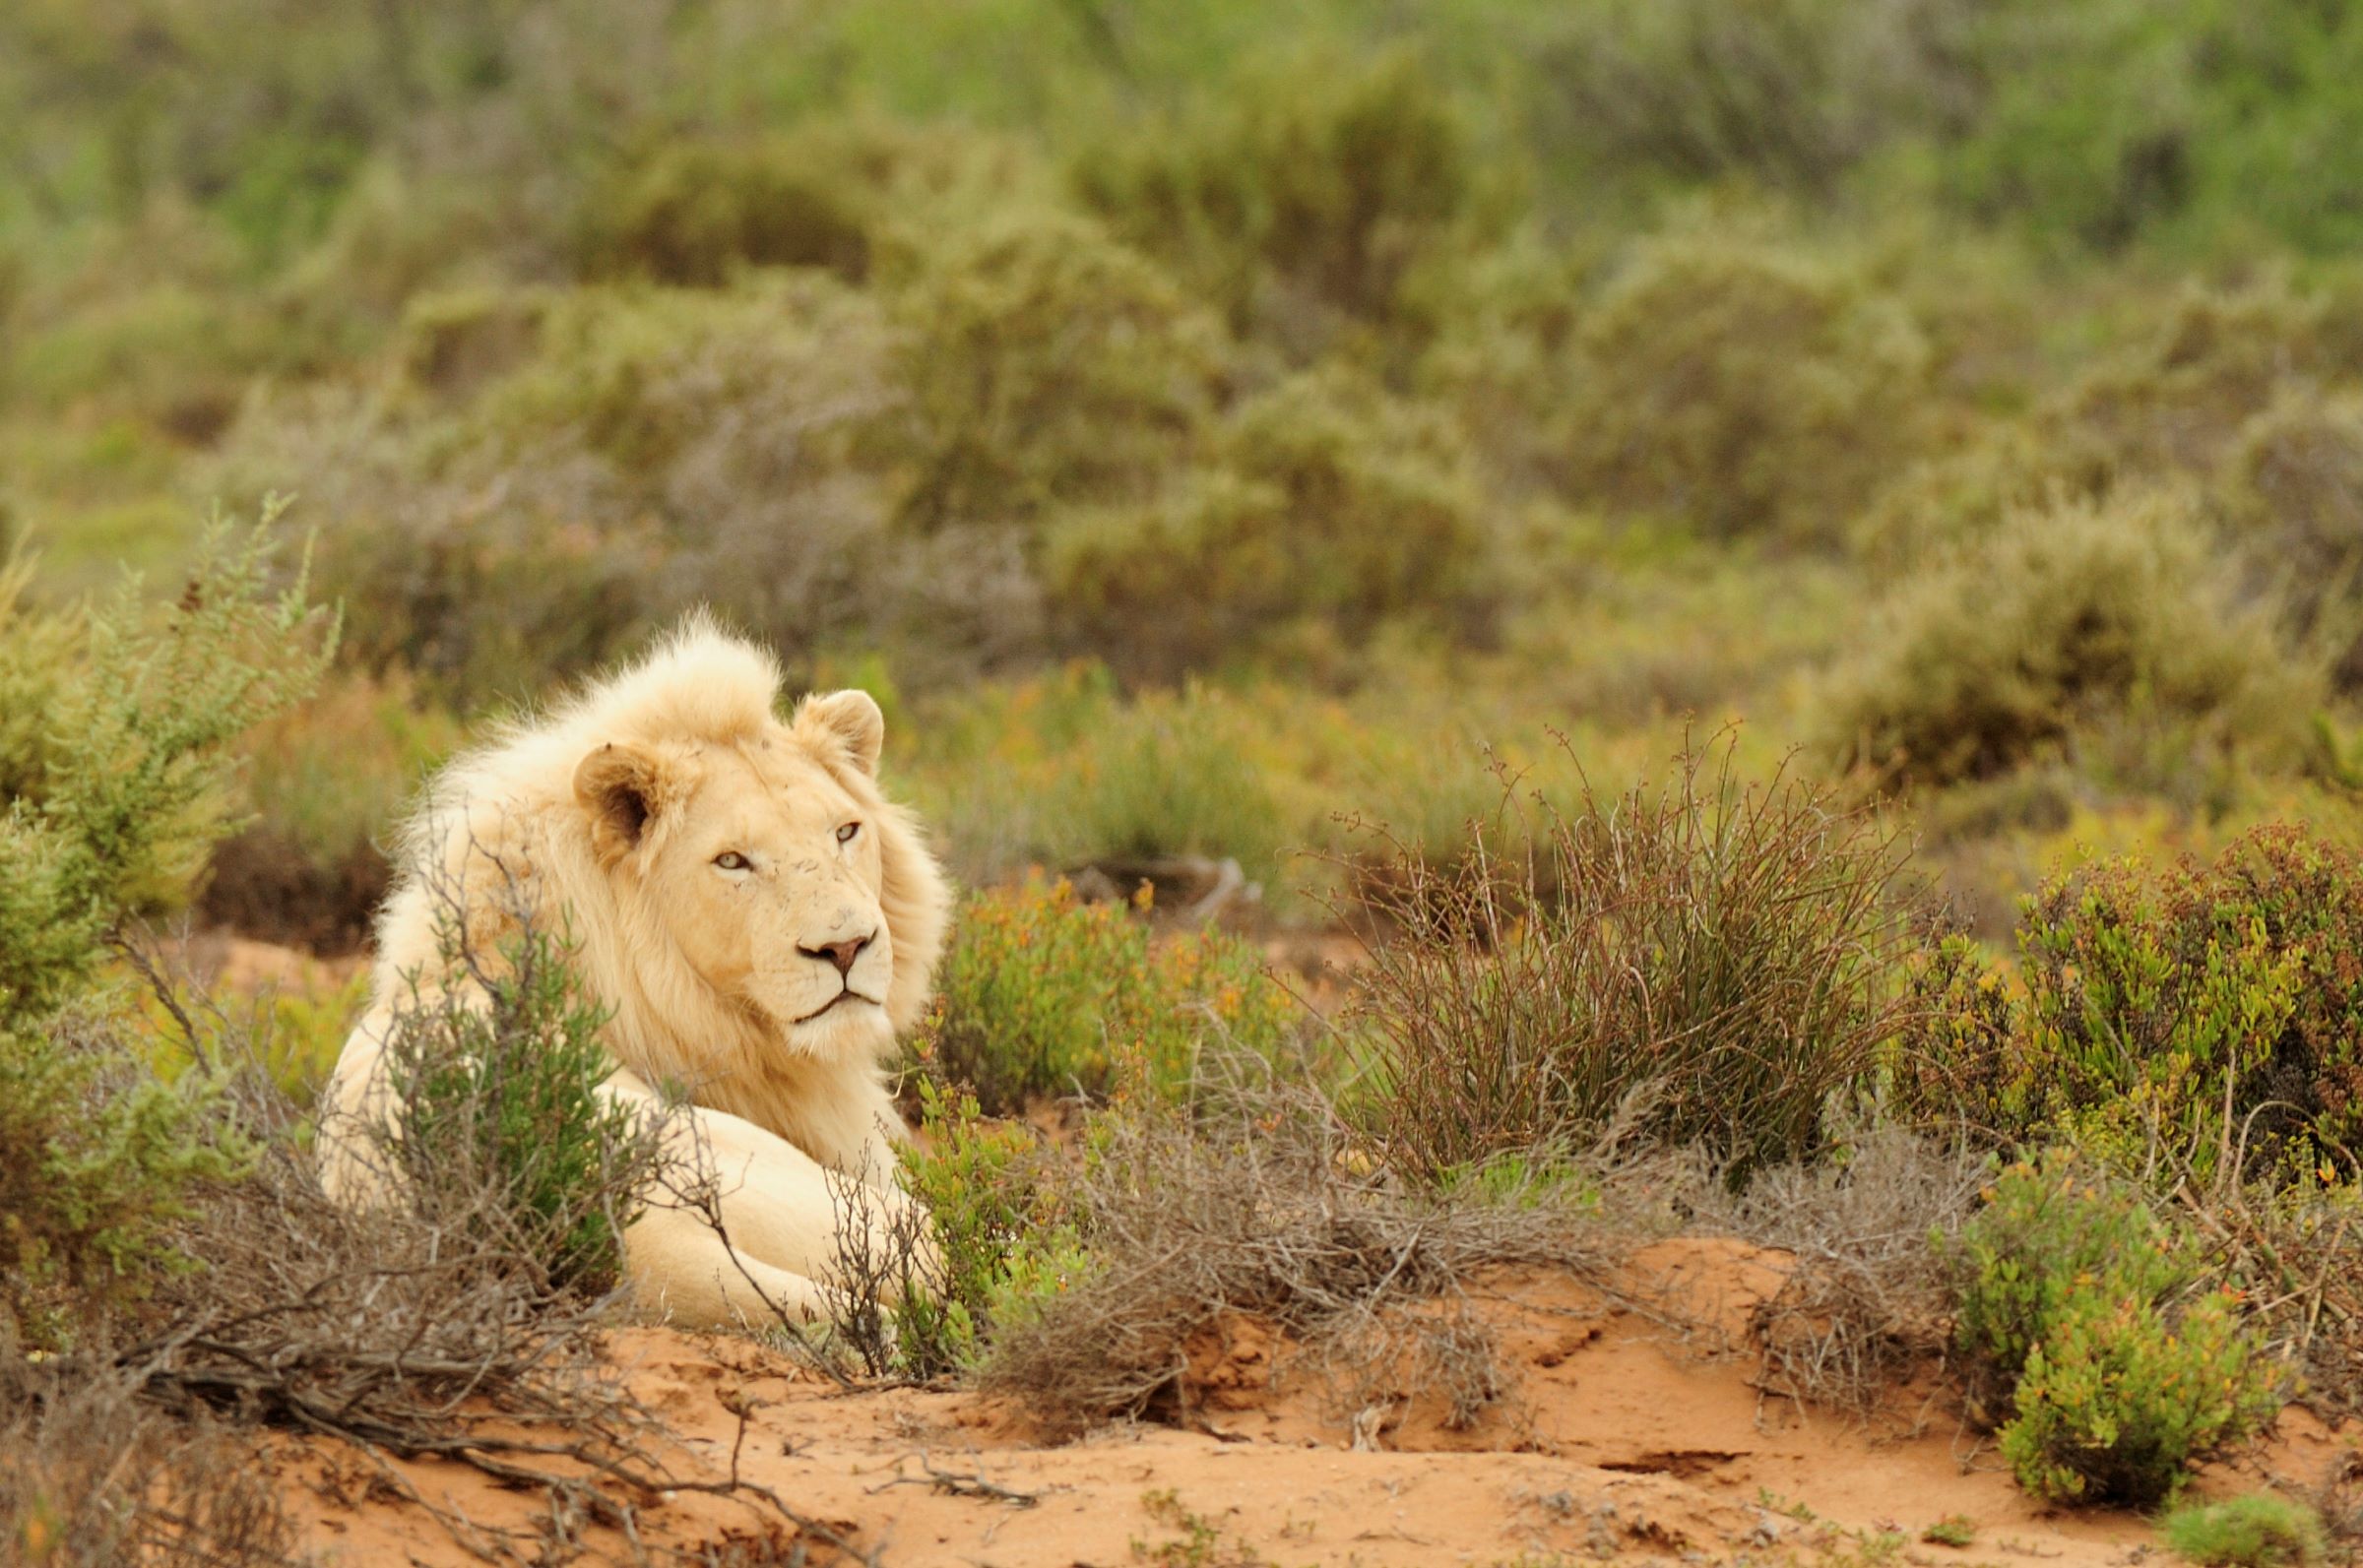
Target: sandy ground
(1619, 1439)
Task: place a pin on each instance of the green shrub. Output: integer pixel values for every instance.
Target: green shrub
(2062, 617)
(1309, 195)
(2120, 121)
(107, 814)
(1048, 365)
(2257, 1531)
(2112, 1406)
(1001, 1233)
(2295, 492)
(653, 450)
(2082, 1313)
(1332, 505)
(1715, 956)
(2153, 1003)
(498, 1124)
(1793, 93)
(690, 211)
(1740, 388)
(2179, 400)
(1043, 995)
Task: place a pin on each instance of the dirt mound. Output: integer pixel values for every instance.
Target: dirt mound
(1626, 1422)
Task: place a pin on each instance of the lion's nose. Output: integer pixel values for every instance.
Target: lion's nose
(841, 954)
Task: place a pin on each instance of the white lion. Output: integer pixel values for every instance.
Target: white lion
(759, 918)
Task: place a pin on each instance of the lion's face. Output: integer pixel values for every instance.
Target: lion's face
(763, 867)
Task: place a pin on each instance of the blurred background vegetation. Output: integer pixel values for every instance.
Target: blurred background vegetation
(1205, 425)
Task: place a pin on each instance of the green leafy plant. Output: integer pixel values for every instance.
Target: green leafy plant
(2185, 1018)
(108, 810)
(1953, 1530)
(1000, 1234)
(2084, 1312)
(2257, 1531)
(1043, 994)
(498, 1122)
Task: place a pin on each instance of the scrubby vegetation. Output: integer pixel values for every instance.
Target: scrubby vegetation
(1327, 465)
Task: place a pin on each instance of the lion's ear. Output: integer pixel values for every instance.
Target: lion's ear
(617, 787)
(849, 718)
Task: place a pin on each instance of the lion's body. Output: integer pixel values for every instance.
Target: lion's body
(714, 869)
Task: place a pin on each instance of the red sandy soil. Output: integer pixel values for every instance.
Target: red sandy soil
(1620, 1438)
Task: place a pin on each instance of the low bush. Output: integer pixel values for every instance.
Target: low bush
(1041, 995)
(1048, 365)
(1740, 388)
(498, 1127)
(1258, 1202)
(653, 450)
(1306, 199)
(2064, 618)
(1165, 775)
(2295, 496)
(998, 1234)
(2179, 1022)
(691, 211)
(1795, 94)
(93, 1475)
(2257, 1530)
(2086, 1316)
(108, 816)
(1330, 509)
(1721, 953)
(2179, 400)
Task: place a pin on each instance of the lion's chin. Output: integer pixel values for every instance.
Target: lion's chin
(851, 1026)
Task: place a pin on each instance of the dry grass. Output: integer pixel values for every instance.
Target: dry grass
(1732, 948)
(91, 1477)
(1263, 1203)
(1868, 1300)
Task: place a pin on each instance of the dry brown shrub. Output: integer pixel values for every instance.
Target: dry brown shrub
(1868, 1299)
(1260, 1201)
(94, 1477)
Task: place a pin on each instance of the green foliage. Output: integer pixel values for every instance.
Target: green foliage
(1794, 92)
(1000, 1229)
(1048, 365)
(2296, 492)
(2260, 1529)
(2122, 119)
(691, 211)
(1714, 957)
(2061, 618)
(497, 1120)
(2082, 1311)
(1309, 197)
(109, 806)
(2182, 1018)
(1740, 388)
(1953, 1530)
(1044, 995)
(1328, 506)
(2181, 399)
(2112, 1406)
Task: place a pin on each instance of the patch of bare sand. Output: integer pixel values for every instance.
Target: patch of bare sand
(1622, 1436)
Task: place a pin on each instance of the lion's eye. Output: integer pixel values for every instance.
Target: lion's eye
(733, 860)
(845, 835)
